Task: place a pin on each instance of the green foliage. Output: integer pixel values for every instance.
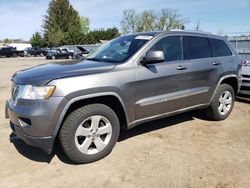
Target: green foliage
(85, 25)
(149, 20)
(63, 24)
(100, 34)
(7, 41)
(37, 40)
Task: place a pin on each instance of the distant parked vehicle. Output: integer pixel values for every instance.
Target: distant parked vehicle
(11, 52)
(245, 86)
(33, 51)
(46, 50)
(59, 54)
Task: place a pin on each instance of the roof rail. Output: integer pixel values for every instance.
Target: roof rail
(192, 31)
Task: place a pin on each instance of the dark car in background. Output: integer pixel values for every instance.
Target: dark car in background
(11, 52)
(59, 54)
(33, 51)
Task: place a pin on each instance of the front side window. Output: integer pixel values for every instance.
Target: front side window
(171, 47)
(196, 47)
(119, 49)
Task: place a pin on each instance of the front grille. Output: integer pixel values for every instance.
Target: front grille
(246, 81)
(245, 75)
(244, 88)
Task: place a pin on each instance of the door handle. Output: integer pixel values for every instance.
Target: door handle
(216, 63)
(180, 67)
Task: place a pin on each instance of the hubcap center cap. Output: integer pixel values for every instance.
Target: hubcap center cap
(94, 135)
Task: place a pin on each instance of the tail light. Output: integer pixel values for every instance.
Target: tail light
(242, 63)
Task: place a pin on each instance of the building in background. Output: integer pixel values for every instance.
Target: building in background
(242, 46)
(20, 46)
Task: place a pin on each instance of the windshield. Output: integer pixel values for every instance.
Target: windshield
(119, 49)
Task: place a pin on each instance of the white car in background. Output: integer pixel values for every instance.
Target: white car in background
(245, 86)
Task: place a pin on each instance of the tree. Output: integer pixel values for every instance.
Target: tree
(149, 20)
(197, 26)
(37, 40)
(85, 25)
(7, 41)
(100, 34)
(63, 24)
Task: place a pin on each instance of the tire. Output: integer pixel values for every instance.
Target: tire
(78, 132)
(222, 103)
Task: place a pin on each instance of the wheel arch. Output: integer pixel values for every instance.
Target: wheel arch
(231, 79)
(110, 99)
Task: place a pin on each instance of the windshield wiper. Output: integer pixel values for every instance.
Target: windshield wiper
(93, 59)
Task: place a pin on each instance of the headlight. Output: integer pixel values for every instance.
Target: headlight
(35, 92)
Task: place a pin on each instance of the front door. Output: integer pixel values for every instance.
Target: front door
(163, 87)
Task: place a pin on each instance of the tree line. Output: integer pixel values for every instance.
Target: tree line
(63, 24)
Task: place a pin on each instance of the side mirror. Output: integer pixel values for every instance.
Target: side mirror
(153, 57)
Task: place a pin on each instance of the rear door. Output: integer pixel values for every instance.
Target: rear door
(163, 87)
(205, 69)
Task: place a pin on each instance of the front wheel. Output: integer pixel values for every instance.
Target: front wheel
(222, 103)
(89, 133)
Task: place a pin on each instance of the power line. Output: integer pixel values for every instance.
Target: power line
(236, 32)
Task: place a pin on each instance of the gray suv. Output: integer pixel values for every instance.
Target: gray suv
(130, 80)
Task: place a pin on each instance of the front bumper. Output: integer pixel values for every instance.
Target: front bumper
(34, 121)
(44, 143)
(244, 90)
(245, 86)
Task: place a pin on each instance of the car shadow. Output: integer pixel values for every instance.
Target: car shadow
(243, 98)
(36, 154)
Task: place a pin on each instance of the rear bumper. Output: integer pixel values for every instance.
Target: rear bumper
(45, 143)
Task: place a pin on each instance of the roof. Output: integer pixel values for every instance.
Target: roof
(178, 31)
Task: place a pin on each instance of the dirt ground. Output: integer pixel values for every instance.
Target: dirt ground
(181, 151)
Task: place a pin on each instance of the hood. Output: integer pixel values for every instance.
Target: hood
(43, 74)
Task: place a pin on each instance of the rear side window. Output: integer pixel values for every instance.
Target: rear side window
(220, 48)
(196, 47)
(171, 47)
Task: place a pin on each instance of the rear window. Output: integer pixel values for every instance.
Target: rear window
(196, 47)
(220, 48)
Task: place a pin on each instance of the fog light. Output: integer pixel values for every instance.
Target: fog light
(24, 122)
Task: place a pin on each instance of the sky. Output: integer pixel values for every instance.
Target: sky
(22, 18)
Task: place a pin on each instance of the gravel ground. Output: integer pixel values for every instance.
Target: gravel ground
(186, 150)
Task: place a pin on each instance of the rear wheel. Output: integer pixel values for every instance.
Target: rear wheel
(89, 133)
(222, 103)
